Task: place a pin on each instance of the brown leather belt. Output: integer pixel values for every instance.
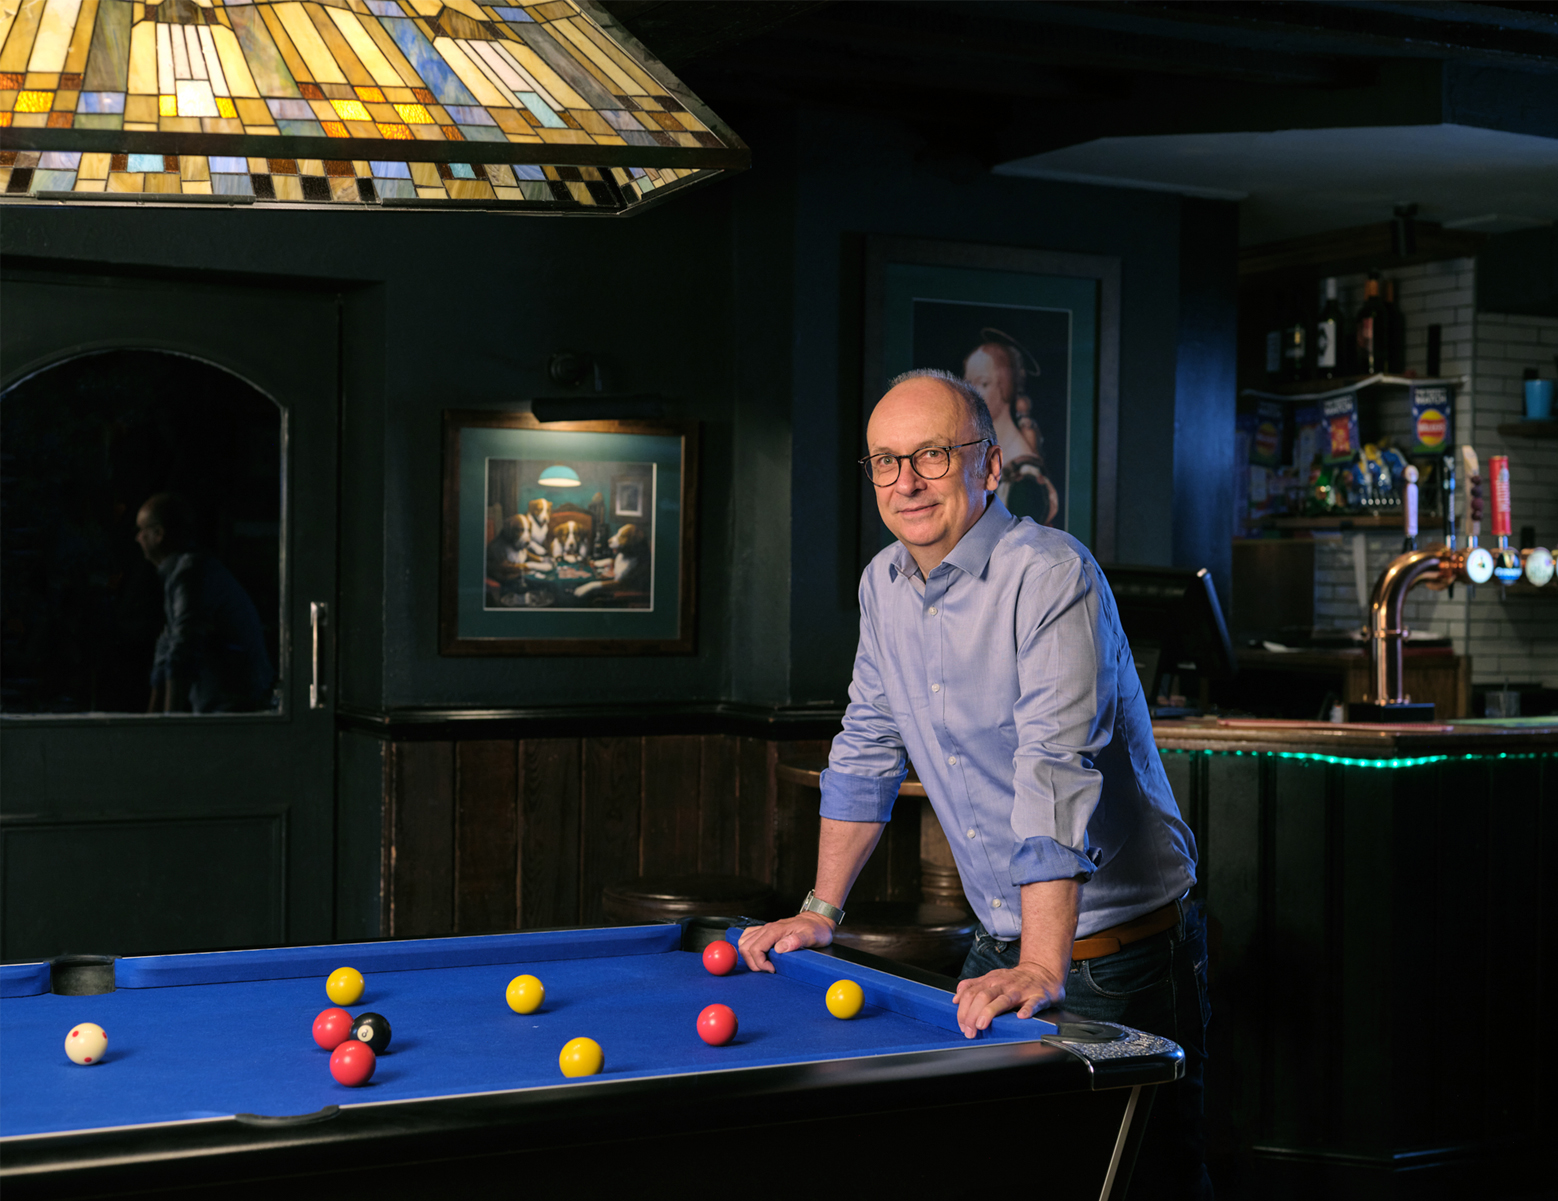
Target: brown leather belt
(1107, 942)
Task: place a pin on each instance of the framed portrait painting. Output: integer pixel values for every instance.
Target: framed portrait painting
(1038, 334)
(567, 537)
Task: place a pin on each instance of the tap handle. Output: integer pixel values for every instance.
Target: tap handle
(1409, 506)
(1498, 471)
(1473, 479)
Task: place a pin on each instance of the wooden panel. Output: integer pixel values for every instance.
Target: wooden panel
(1370, 891)
(756, 788)
(1231, 868)
(422, 881)
(486, 836)
(672, 785)
(549, 805)
(609, 828)
(796, 825)
(217, 881)
(361, 845)
(719, 807)
(796, 828)
(1299, 979)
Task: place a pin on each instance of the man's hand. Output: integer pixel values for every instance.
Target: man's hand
(1027, 988)
(803, 930)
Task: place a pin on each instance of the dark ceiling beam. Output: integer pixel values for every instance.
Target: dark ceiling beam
(1342, 28)
(683, 31)
(996, 52)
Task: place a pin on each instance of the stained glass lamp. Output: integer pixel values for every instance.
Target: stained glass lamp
(344, 103)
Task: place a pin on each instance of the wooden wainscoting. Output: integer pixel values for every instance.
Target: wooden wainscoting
(485, 835)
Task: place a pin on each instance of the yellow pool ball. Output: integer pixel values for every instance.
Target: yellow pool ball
(845, 998)
(525, 994)
(344, 986)
(581, 1057)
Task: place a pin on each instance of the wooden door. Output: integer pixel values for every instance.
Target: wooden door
(125, 834)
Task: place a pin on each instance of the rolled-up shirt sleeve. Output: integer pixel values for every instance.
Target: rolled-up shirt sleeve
(1064, 717)
(867, 764)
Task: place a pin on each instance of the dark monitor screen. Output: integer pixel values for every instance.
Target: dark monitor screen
(1173, 622)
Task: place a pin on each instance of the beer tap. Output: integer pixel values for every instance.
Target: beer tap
(1437, 567)
(1507, 568)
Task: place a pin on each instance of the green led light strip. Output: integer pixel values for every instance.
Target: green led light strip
(1346, 761)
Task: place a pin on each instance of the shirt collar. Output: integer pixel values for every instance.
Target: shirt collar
(973, 549)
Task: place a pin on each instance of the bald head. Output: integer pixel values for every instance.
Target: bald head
(926, 511)
(968, 396)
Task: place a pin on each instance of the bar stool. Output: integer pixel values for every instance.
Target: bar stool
(934, 937)
(671, 898)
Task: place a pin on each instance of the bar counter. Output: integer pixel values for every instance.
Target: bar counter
(1382, 949)
(1382, 944)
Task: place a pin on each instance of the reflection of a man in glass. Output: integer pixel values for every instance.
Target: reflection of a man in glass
(211, 654)
(998, 367)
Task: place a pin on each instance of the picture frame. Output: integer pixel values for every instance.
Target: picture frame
(1041, 328)
(536, 559)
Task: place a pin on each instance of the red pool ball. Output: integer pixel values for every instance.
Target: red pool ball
(717, 1025)
(352, 1063)
(719, 958)
(332, 1028)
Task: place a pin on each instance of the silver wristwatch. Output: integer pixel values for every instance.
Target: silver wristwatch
(814, 904)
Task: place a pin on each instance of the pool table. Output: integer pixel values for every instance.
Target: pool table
(212, 1081)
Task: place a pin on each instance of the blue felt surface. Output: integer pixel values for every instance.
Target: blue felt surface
(246, 1047)
(912, 999)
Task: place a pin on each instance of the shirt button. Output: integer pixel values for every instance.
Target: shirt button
(972, 832)
(935, 687)
(933, 610)
(953, 760)
(995, 904)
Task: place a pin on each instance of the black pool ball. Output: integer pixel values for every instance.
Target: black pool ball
(373, 1030)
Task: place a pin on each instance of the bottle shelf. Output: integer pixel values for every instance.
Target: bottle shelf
(1357, 521)
(1319, 389)
(1529, 429)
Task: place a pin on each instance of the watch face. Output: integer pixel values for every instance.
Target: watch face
(1479, 565)
(1539, 566)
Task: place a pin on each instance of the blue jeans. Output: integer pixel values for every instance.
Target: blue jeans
(1158, 985)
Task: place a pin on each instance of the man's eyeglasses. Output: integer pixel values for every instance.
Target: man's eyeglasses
(929, 463)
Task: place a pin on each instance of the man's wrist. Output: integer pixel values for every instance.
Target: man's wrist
(815, 904)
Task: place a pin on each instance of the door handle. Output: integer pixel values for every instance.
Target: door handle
(318, 621)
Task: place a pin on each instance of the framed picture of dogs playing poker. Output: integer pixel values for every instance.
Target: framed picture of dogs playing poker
(567, 537)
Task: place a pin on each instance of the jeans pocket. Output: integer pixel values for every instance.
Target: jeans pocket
(1131, 969)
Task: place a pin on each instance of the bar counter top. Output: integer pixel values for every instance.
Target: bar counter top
(1359, 740)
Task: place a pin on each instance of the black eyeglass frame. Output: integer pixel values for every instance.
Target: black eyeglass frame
(865, 463)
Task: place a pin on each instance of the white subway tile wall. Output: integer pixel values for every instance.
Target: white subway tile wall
(1511, 638)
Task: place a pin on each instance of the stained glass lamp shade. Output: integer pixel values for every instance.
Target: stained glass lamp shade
(392, 103)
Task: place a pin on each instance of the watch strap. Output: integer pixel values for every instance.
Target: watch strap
(815, 904)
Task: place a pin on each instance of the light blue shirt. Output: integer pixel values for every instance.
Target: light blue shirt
(1009, 683)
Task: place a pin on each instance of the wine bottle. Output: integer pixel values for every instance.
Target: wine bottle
(1371, 336)
(1274, 342)
(1396, 332)
(1328, 336)
(1295, 341)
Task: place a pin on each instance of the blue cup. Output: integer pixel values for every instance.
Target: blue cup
(1539, 399)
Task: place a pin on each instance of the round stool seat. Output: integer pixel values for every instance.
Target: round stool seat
(934, 937)
(671, 898)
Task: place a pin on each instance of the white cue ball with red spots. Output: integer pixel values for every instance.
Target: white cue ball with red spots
(86, 1043)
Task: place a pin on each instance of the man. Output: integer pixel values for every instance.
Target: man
(991, 650)
(211, 654)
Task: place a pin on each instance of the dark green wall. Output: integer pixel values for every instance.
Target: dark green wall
(739, 302)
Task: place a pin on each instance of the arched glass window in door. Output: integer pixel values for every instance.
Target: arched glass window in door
(141, 539)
